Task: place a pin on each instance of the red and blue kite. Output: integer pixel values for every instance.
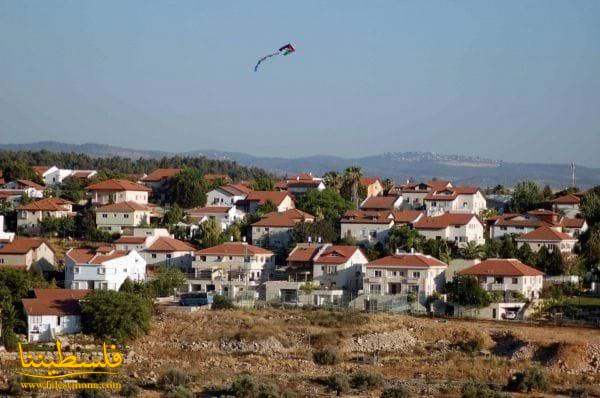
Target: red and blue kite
(284, 50)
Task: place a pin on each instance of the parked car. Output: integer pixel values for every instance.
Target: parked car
(509, 315)
(195, 299)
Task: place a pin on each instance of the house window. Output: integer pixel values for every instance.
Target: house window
(76, 270)
(373, 234)
(35, 319)
(414, 288)
(104, 215)
(515, 281)
(1, 261)
(416, 274)
(378, 273)
(376, 289)
(126, 215)
(168, 256)
(499, 280)
(58, 320)
(101, 271)
(153, 255)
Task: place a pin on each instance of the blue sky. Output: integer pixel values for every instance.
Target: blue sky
(512, 80)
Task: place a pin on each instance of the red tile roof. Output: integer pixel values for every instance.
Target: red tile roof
(450, 193)
(407, 261)
(123, 207)
(59, 302)
(439, 184)
(301, 177)
(288, 218)
(31, 184)
(166, 244)
(518, 220)
(131, 240)
(501, 267)
(366, 181)
(336, 254)
(82, 173)
(23, 245)
(379, 203)
(94, 256)
(568, 199)
(209, 210)
(117, 185)
(40, 170)
(572, 222)
(443, 221)
(263, 196)
(407, 216)
(236, 189)
(303, 184)
(367, 217)
(46, 204)
(161, 174)
(233, 249)
(214, 177)
(304, 253)
(545, 233)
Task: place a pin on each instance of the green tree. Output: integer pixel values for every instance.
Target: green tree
(233, 231)
(333, 180)
(387, 185)
(466, 290)
(209, 234)
(590, 206)
(328, 203)
(404, 238)
(267, 207)
(439, 249)
(547, 194)
(507, 247)
(174, 215)
(472, 250)
(323, 229)
(551, 262)
(116, 315)
(590, 246)
(526, 255)
(352, 176)
(187, 189)
(72, 189)
(526, 196)
(167, 280)
(264, 183)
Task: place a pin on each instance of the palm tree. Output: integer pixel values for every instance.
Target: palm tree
(387, 185)
(352, 177)
(472, 250)
(333, 180)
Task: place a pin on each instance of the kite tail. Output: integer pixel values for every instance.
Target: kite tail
(263, 59)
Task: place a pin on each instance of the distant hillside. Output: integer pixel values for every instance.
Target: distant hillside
(397, 166)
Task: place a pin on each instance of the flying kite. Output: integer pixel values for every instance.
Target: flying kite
(285, 50)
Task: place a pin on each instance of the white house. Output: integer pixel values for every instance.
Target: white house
(30, 188)
(281, 199)
(366, 226)
(158, 178)
(455, 200)
(227, 195)
(52, 313)
(407, 217)
(231, 269)
(140, 238)
(102, 268)
(224, 215)
(299, 184)
(414, 194)
(114, 217)
(273, 229)
(504, 275)
(30, 216)
(170, 252)
(460, 228)
(23, 253)
(382, 203)
(339, 267)
(117, 191)
(5, 237)
(567, 204)
(508, 224)
(405, 273)
(551, 238)
(54, 175)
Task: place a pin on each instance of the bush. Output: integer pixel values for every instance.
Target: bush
(395, 392)
(174, 378)
(221, 302)
(363, 380)
(325, 357)
(14, 386)
(247, 386)
(338, 383)
(130, 391)
(531, 379)
(472, 345)
(179, 392)
(10, 340)
(476, 389)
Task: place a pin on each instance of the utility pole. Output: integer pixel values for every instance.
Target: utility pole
(573, 174)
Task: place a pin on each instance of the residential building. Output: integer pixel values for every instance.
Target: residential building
(273, 229)
(115, 217)
(31, 215)
(524, 223)
(102, 268)
(405, 273)
(5, 237)
(551, 238)
(373, 186)
(158, 178)
(224, 215)
(414, 194)
(167, 251)
(52, 313)
(30, 188)
(299, 184)
(227, 195)
(460, 228)
(234, 269)
(567, 204)
(381, 203)
(366, 226)
(281, 199)
(340, 267)
(504, 275)
(23, 253)
(407, 217)
(54, 175)
(118, 191)
(455, 200)
(217, 178)
(140, 239)
(574, 226)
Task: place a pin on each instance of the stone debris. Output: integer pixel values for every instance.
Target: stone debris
(397, 341)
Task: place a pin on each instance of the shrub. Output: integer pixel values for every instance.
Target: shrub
(247, 386)
(14, 386)
(476, 389)
(130, 391)
(363, 379)
(173, 378)
(10, 340)
(395, 392)
(179, 392)
(471, 345)
(325, 357)
(531, 379)
(221, 302)
(338, 383)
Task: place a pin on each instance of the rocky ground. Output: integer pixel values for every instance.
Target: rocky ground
(430, 357)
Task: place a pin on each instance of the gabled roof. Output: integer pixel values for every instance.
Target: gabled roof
(366, 181)
(304, 184)
(263, 196)
(288, 218)
(214, 177)
(209, 210)
(407, 216)
(407, 260)
(131, 240)
(31, 184)
(545, 233)
(367, 217)
(123, 207)
(161, 174)
(501, 267)
(450, 193)
(568, 199)
(518, 220)
(23, 245)
(304, 253)
(444, 220)
(166, 244)
(40, 170)
(82, 173)
(58, 302)
(336, 254)
(301, 177)
(233, 249)
(46, 204)
(94, 256)
(439, 184)
(117, 185)
(235, 189)
(572, 222)
(379, 203)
